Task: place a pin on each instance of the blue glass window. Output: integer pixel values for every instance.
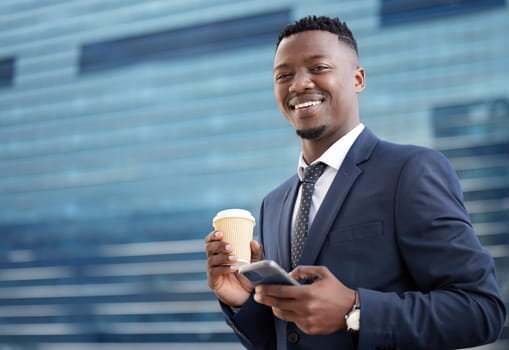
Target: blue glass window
(6, 71)
(259, 29)
(403, 11)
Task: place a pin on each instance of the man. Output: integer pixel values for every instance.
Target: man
(388, 247)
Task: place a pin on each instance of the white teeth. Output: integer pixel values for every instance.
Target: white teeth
(307, 104)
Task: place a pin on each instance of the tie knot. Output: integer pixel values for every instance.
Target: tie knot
(313, 172)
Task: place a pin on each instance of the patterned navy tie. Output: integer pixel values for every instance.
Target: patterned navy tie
(311, 175)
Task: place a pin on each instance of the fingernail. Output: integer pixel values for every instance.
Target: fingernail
(228, 247)
(217, 234)
(231, 257)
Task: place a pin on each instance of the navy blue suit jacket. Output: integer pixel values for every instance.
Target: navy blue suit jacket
(393, 226)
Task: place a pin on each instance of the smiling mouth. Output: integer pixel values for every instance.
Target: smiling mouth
(306, 104)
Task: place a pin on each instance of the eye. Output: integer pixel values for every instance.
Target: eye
(280, 77)
(319, 68)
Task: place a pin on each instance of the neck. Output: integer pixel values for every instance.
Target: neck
(313, 149)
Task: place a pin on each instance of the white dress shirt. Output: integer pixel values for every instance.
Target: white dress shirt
(333, 157)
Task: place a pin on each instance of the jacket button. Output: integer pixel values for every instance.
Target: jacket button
(293, 338)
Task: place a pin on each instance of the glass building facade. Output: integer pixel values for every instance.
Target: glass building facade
(126, 125)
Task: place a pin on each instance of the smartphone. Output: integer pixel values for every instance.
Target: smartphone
(267, 272)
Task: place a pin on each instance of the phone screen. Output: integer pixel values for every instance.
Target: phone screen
(266, 272)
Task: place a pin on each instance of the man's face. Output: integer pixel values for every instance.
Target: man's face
(316, 82)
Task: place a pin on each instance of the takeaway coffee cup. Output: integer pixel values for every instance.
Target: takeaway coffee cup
(237, 227)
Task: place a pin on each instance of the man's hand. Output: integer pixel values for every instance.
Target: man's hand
(222, 273)
(316, 308)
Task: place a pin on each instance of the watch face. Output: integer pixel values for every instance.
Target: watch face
(353, 320)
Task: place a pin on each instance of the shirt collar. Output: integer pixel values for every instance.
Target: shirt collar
(335, 154)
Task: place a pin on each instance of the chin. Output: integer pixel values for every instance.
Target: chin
(311, 133)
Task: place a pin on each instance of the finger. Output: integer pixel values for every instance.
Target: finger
(218, 247)
(266, 299)
(220, 270)
(284, 304)
(221, 260)
(279, 291)
(214, 236)
(211, 248)
(287, 315)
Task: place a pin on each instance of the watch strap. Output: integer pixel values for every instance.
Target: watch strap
(354, 313)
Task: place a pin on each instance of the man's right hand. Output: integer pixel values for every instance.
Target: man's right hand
(222, 273)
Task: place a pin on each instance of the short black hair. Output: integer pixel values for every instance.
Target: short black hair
(329, 24)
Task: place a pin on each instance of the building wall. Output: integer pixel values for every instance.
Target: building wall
(125, 125)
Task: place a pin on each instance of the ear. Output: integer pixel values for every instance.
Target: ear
(359, 78)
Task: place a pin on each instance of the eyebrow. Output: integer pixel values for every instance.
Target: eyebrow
(311, 58)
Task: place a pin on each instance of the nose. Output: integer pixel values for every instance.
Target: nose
(301, 82)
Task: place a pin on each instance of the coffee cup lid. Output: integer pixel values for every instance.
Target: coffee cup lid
(235, 213)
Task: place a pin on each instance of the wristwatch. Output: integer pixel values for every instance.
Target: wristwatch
(353, 318)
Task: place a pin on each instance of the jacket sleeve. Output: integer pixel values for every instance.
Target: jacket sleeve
(253, 324)
(457, 303)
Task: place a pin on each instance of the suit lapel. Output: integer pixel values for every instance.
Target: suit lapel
(335, 198)
(285, 225)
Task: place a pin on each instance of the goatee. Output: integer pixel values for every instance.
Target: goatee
(311, 134)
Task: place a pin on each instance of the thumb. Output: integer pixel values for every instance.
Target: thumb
(256, 251)
(309, 273)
